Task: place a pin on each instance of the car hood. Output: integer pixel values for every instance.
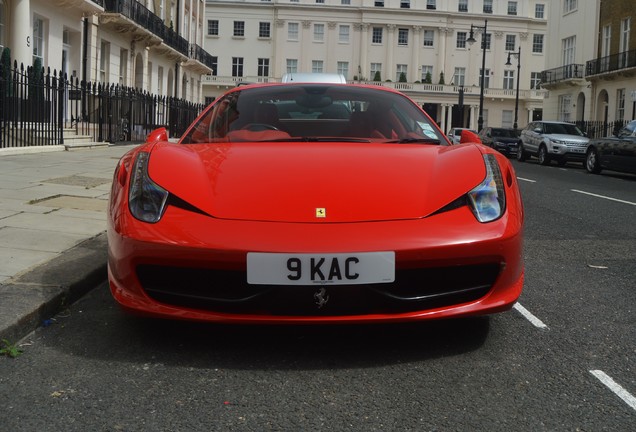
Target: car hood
(569, 138)
(317, 182)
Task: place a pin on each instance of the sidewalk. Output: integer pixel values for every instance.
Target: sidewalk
(52, 231)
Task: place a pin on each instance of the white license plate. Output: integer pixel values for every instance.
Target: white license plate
(320, 269)
(577, 150)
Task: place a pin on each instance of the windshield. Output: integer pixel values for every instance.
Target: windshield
(314, 112)
(562, 128)
(505, 133)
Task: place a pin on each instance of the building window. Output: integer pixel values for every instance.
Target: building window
(461, 40)
(345, 2)
(488, 6)
(509, 80)
(620, 104)
(427, 74)
(459, 77)
(319, 32)
(569, 5)
(569, 51)
(430, 5)
(264, 30)
(343, 33)
(510, 42)
(539, 11)
(292, 66)
(215, 65)
(486, 40)
(506, 118)
(237, 66)
(535, 80)
(292, 31)
(239, 29)
(123, 66)
(343, 69)
(487, 78)
(403, 37)
(512, 8)
(623, 48)
(320, 1)
(537, 43)
(38, 38)
(376, 71)
(317, 66)
(376, 36)
(379, 3)
(462, 6)
(213, 27)
(429, 38)
(401, 74)
(405, 4)
(104, 61)
(263, 67)
(565, 103)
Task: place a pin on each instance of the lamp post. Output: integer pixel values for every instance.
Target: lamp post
(518, 55)
(471, 40)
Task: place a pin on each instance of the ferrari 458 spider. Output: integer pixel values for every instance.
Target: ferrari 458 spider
(314, 203)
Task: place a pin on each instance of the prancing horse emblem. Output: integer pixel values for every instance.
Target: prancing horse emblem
(321, 297)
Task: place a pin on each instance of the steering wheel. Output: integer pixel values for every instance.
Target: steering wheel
(257, 127)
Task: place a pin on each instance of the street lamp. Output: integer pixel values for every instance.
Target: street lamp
(518, 55)
(471, 40)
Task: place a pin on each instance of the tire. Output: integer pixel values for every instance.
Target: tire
(521, 155)
(544, 158)
(592, 164)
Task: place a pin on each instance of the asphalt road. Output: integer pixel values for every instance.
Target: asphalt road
(563, 360)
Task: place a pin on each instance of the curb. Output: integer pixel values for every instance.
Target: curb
(32, 297)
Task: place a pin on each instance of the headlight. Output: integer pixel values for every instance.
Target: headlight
(146, 199)
(488, 200)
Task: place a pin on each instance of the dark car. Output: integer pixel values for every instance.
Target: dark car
(505, 140)
(616, 153)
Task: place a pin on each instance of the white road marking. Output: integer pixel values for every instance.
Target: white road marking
(533, 319)
(526, 180)
(604, 197)
(617, 389)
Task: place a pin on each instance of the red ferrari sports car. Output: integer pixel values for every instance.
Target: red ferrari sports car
(314, 203)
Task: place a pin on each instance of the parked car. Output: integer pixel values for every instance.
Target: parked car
(455, 134)
(551, 140)
(505, 140)
(617, 153)
(300, 203)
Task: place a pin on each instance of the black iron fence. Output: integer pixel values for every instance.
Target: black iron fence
(600, 129)
(39, 107)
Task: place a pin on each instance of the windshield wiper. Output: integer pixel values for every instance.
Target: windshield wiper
(416, 141)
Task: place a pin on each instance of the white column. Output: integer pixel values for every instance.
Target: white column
(417, 43)
(364, 48)
(390, 47)
(22, 33)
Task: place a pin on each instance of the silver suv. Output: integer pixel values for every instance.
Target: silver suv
(550, 140)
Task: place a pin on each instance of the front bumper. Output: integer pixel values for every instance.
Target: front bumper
(190, 266)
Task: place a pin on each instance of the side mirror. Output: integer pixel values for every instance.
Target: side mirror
(469, 137)
(160, 134)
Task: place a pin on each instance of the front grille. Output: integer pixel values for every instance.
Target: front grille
(226, 291)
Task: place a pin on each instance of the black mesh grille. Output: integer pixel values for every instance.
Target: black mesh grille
(228, 292)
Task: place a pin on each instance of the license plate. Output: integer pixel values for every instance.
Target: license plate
(577, 150)
(320, 269)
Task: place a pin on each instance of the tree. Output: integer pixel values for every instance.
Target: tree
(5, 73)
(377, 76)
(402, 77)
(428, 79)
(441, 78)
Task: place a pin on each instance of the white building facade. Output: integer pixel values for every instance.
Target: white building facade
(152, 45)
(420, 47)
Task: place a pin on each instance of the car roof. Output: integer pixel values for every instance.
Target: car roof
(314, 78)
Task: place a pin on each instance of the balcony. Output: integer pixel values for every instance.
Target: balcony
(130, 16)
(89, 6)
(200, 60)
(612, 63)
(565, 74)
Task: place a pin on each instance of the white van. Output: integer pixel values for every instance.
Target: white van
(314, 78)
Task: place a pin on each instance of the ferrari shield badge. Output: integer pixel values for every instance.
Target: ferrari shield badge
(321, 297)
(321, 212)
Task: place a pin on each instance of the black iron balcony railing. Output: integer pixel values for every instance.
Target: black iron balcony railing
(563, 73)
(611, 63)
(141, 15)
(98, 2)
(199, 54)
